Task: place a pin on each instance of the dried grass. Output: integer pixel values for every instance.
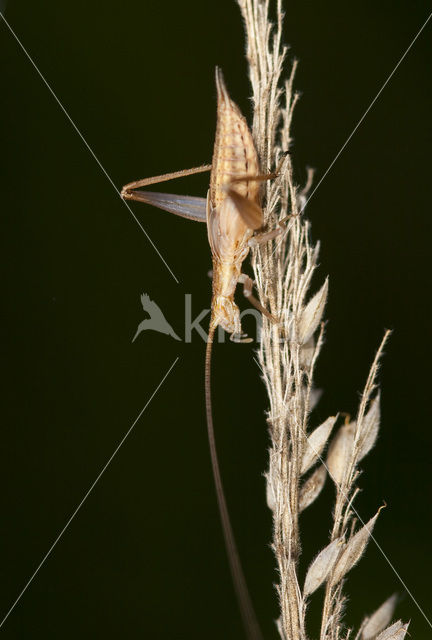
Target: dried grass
(288, 352)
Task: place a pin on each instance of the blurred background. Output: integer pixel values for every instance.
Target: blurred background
(144, 556)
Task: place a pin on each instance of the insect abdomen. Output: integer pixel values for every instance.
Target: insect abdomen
(234, 152)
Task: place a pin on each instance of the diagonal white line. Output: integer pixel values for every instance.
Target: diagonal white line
(369, 108)
(48, 86)
(277, 243)
(110, 459)
(386, 558)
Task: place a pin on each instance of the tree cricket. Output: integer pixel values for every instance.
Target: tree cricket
(233, 213)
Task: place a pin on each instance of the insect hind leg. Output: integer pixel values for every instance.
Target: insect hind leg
(127, 190)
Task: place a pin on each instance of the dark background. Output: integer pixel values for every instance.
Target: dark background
(144, 557)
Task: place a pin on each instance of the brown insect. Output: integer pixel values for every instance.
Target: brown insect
(233, 214)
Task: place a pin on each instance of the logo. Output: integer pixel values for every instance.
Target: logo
(157, 321)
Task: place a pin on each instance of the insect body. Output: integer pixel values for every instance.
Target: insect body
(233, 210)
(233, 213)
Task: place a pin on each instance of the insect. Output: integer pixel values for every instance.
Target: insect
(233, 213)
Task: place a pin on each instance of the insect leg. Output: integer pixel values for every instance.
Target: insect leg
(145, 182)
(188, 207)
(247, 292)
(250, 211)
(261, 238)
(265, 236)
(269, 176)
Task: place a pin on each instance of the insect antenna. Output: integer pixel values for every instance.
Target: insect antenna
(250, 621)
